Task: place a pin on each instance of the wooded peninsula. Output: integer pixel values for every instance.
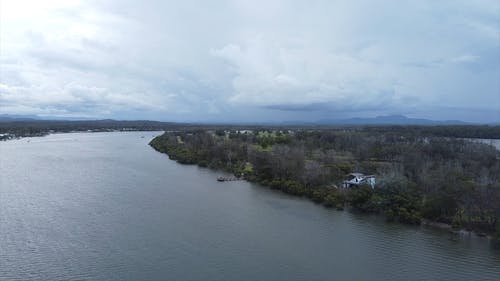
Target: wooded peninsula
(423, 173)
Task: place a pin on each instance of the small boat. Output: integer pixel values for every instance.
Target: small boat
(221, 178)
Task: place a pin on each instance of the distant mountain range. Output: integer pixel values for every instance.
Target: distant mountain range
(391, 120)
(379, 120)
(8, 117)
(15, 117)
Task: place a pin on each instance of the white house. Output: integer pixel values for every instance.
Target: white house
(356, 179)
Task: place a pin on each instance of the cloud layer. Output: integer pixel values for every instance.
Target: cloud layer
(250, 61)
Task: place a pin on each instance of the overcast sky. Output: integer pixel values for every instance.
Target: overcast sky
(251, 60)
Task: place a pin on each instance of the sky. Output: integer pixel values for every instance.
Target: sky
(251, 61)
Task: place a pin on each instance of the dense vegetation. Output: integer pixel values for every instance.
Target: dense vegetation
(13, 128)
(423, 172)
(34, 128)
(420, 175)
(456, 131)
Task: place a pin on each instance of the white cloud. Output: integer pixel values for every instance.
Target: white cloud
(192, 59)
(464, 59)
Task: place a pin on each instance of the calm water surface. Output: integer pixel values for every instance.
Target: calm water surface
(105, 206)
(493, 142)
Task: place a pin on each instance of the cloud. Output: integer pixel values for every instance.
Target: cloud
(70, 99)
(169, 60)
(464, 59)
(272, 77)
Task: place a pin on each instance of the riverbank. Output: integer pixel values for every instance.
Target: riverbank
(284, 162)
(19, 128)
(16, 136)
(116, 209)
(331, 200)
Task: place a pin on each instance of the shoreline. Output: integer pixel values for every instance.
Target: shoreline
(423, 223)
(15, 137)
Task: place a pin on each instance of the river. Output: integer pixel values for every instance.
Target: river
(492, 142)
(106, 206)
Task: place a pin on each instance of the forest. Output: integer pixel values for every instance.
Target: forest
(423, 173)
(17, 128)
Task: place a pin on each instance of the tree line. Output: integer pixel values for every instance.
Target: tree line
(419, 176)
